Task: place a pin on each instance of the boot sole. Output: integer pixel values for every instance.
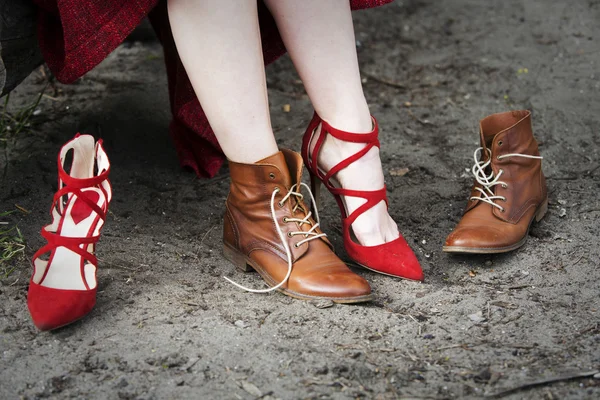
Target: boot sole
(246, 264)
(537, 217)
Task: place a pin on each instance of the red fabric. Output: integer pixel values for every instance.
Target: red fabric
(74, 38)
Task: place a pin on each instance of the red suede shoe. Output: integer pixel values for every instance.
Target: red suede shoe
(392, 258)
(63, 285)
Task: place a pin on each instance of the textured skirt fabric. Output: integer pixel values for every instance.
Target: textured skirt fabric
(76, 35)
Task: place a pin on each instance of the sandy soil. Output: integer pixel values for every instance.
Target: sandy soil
(167, 325)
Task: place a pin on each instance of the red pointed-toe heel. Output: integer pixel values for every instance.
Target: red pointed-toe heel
(392, 258)
(62, 288)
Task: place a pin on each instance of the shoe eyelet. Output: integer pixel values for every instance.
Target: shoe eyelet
(504, 186)
(296, 245)
(286, 220)
(498, 158)
(500, 143)
(280, 204)
(289, 234)
(271, 175)
(503, 199)
(502, 210)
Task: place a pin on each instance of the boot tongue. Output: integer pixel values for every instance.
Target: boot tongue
(294, 163)
(278, 160)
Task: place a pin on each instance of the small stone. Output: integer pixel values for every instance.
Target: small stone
(286, 108)
(562, 202)
(322, 303)
(241, 324)
(477, 317)
(562, 212)
(597, 376)
(488, 263)
(428, 336)
(424, 241)
(252, 389)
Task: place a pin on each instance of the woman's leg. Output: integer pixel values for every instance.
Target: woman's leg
(319, 35)
(219, 44)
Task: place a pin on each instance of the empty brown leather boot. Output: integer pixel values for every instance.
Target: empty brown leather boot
(268, 228)
(509, 191)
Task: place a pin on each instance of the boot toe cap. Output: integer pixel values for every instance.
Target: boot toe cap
(339, 285)
(480, 237)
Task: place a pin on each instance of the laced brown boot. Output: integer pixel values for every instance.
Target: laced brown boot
(268, 228)
(510, 188)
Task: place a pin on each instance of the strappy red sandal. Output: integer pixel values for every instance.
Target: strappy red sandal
(62, 288)
(392, 258)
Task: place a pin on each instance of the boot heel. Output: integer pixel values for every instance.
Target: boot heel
(315, 188)
(542, 210)
(236, 258)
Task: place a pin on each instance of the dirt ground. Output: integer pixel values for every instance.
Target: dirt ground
(167, 325)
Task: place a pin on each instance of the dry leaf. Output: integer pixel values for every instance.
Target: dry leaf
(286, 108)
(399, 172)
(472, 273)
(250, 388)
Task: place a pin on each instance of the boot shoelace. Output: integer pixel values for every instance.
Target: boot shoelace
(308, 235)
(489, 181)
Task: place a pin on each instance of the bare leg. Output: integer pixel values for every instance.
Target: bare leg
(219, 44)
(319, 36)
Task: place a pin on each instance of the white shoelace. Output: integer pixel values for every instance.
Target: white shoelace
(308, 235)
(488, 181)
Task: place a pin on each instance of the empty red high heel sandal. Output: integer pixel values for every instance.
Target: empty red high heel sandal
(62, 288)
(391, 258)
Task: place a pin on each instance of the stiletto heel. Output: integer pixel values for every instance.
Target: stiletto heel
(392, 258)
(315, 188)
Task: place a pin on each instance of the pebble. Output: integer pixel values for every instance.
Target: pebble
(477, 317)
(322, 303)
(562, 212)
(240, 324)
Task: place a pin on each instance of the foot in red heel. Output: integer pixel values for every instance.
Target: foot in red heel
(63, 285)
(392, 257)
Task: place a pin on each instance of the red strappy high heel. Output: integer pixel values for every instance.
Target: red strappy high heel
(63, 285)
(392, 258)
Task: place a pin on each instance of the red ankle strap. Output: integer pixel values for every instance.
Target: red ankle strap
(371, 137)
(68, 180)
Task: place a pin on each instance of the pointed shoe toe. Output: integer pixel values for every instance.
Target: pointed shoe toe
(394, 258)
(54, 308)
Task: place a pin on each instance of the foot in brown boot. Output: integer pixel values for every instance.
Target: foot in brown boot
(268, 228)
(510, 188)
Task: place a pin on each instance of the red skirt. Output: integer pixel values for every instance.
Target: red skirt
(75, 38)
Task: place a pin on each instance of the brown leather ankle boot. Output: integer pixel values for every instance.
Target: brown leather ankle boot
(509, 191)
(268, 228)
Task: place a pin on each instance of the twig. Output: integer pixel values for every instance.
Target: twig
(558, 378)
(518, 287)
(385, 81)
(206, 234)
